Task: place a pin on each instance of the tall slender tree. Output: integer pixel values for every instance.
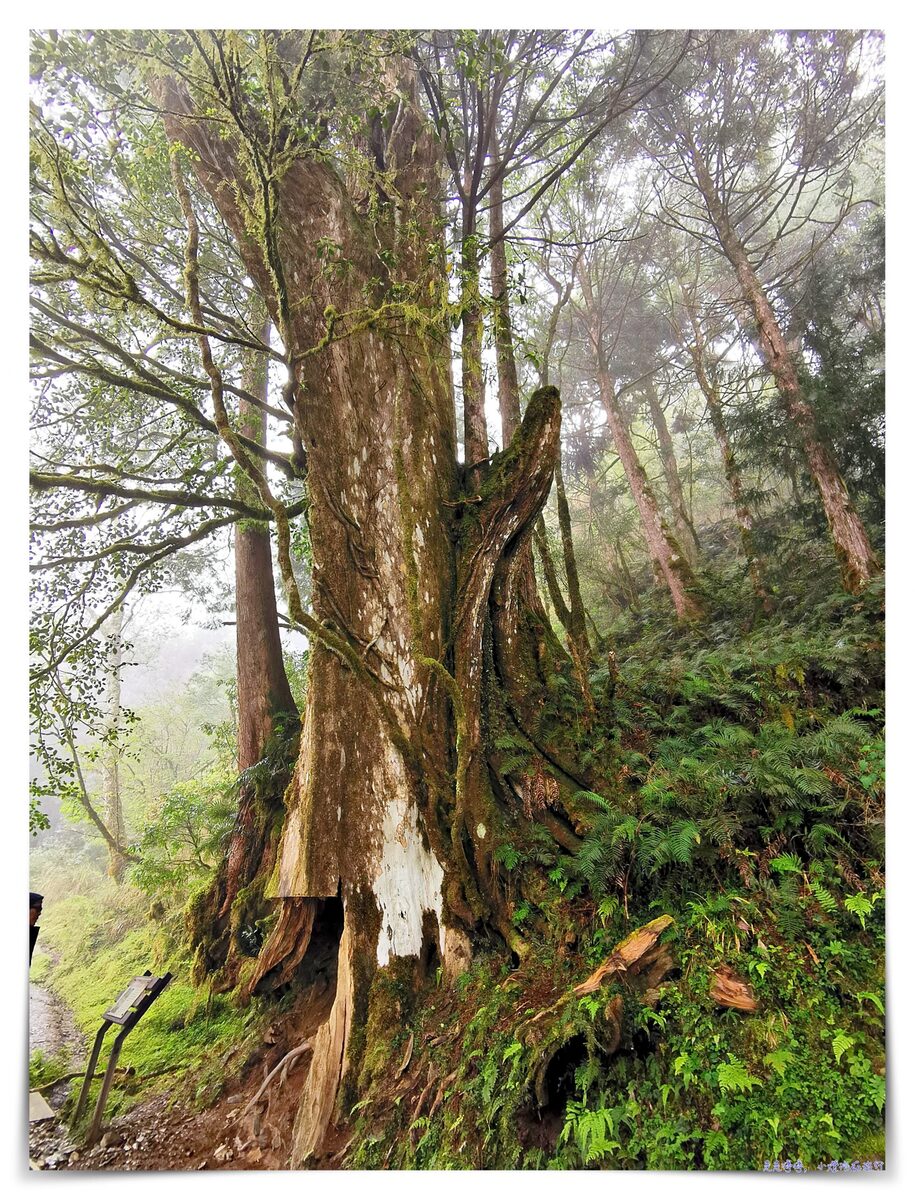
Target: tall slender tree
(757, 137)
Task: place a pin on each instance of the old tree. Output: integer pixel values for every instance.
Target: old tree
(261, 245)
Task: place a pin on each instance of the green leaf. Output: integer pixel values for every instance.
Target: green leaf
(787, 863)
(874, 999)
(860, 906)
(778, 1060)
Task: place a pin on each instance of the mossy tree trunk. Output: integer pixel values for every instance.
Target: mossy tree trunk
(390, 813)
(223, 921)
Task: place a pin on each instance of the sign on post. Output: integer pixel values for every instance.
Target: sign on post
(126, 1011)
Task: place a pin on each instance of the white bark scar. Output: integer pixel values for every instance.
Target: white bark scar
(409, 880)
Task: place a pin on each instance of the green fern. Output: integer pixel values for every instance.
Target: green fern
(841, 1043)
(733, 1076)
(823, 897)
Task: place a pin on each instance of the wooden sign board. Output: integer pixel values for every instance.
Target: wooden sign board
(123, 1007)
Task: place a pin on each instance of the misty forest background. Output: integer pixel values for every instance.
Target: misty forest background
(457, 532)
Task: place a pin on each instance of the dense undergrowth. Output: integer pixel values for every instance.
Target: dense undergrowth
(744, 798)
(741, 763)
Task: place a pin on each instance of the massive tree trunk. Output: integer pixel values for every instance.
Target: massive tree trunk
(852, 545)
(405, 582)
(686, 533)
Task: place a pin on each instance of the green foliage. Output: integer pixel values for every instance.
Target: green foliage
(181, 844)
(741, 791)
(760, 750)
(733, 1076)
(727, 1090)
(45, 1069)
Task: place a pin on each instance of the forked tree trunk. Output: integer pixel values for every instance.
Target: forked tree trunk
(852, 545)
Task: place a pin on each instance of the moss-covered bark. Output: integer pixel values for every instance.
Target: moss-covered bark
(415, 614)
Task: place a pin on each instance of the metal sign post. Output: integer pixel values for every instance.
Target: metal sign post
(126, 1011)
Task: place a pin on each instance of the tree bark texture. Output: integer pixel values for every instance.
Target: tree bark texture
(853, 549)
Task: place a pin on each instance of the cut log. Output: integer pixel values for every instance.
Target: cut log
(730, 991)
(638, 963)
(634, 955)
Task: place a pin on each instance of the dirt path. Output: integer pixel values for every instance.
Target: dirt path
(52, 1028)
(53, 1031)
